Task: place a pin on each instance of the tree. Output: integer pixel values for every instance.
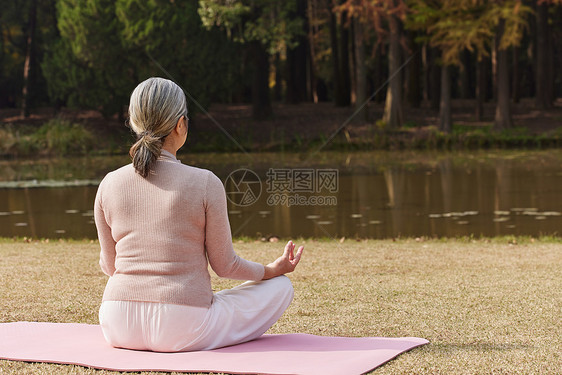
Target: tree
(502, 119)
(29, 57)
(109, 46)
(360, 69)
(393, 111)
(427, 16)
(314, 22)
(445, 112)
(433, 56)
(263, 29)
(456, 25)
(336, 73)
(94, 35)
(509, 18)
(393, 13)
(27, 28)
(65, 74)
(481, 85)
(171, 35)
(543, 63)
(340, 56)
(414, 94)
(13, 21)
(297, 58)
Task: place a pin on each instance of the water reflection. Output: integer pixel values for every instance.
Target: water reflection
(380, 195)
(46, 212)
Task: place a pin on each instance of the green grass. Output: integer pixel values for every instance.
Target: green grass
(485, 305)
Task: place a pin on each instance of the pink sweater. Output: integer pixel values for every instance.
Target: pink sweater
(158, 235)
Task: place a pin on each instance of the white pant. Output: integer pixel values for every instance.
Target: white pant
(236, 315)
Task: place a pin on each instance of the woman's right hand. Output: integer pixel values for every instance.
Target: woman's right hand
(285, 263)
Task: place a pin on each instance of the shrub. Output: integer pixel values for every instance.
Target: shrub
(7, 140)
(61, 137)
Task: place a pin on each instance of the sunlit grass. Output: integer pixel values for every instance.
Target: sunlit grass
(485, 305)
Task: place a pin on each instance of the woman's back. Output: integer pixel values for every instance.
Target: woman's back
(161, 226)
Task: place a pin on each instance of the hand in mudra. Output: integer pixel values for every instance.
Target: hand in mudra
(285, 263)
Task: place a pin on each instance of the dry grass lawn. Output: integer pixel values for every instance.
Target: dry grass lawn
(486, 306)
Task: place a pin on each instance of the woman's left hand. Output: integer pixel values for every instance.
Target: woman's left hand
(285, 263)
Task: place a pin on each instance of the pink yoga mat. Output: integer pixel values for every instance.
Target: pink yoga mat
(83, 344)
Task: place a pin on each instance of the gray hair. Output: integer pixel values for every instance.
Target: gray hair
(155, 107)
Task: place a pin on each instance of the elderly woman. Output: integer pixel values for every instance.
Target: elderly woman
(160, 224)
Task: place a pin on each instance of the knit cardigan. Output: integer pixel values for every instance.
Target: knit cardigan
(159, 234)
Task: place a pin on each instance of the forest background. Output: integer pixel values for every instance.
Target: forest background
(269, 70)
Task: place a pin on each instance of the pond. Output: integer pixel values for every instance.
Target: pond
(352, 195)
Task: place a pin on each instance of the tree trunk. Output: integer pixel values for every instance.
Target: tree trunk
(556, 54)
(480, 88)
(445, 119)
(434, 77)
(360, 71)
(503, 110)
(550, 53)
(29, 59)
(516, 94)
(261, 104)
(465, 80)
(335, 57)
(311, 51)
(296, 74)
(353, 64)
(312, 85)
(278, 89)
(344, 75)
(414, 74)
(494, 59)
(297, 61)
(3, 95)
(393, 106)
(425, 62)
(543, 100)
(378, 73)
